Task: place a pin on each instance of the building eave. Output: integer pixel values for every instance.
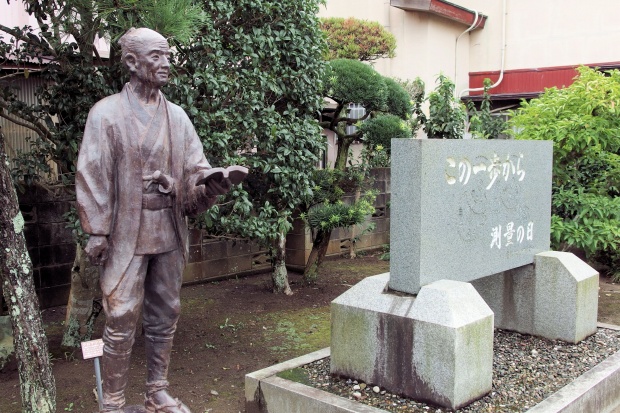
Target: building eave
(443, 9)
(528, 83)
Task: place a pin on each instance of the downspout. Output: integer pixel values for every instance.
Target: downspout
(501, 72)
(456, 42)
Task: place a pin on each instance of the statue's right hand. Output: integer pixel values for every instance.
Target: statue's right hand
(97, 249)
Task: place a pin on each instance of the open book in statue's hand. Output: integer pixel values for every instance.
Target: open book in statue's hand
(235, 174)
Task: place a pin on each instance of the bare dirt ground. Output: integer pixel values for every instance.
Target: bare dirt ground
(227, 329)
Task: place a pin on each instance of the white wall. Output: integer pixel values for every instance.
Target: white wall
(539, 34)
(549, 33)
(13, 14)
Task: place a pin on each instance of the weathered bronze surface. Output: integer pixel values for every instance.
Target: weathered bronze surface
(134, 409)
(136, 179)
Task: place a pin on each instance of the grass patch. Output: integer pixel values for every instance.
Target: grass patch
(306, 329)
(298, 375)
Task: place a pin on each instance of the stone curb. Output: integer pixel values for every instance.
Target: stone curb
(608, 326)
(597, 390)
(265, 392)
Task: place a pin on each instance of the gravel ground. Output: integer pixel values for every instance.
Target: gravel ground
(526, 370)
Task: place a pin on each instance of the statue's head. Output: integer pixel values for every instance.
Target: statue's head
(146, 54)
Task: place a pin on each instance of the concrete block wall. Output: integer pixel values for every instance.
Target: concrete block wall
(52, 248)
(299, 241)
(50, 243)
(211, 258)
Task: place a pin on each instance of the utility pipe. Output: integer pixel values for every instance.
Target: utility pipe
(456, 42)
(501, 72)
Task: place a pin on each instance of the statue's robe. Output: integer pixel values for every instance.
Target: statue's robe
(109, 184)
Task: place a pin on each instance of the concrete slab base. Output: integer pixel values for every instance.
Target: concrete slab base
(556, 297)
(436, 347)
(594, 391)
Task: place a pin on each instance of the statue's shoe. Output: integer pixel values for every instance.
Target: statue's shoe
(162, 402)
(112, 410)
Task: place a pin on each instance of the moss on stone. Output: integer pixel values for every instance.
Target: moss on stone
(297, 375)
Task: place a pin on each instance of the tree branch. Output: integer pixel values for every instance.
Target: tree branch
(334, 123)
(219, 237)
(353, 120)
(45, 47)
(31, 124)
(21, 123)
(17, 74)
(343, 138)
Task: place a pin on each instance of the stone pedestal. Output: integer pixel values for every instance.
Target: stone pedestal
(555, 298)
(436, 347)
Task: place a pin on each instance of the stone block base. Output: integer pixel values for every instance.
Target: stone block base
(436, 347)
(556, 297)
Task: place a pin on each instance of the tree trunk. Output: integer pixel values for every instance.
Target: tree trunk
(38, 390)
(82, 309)
(279, 275)
(340, 164)
(319, 249)
(352, 252)
(321, 241)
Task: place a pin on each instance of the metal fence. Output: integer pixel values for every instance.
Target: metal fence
(16, 136)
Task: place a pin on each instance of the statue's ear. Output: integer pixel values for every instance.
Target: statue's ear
(132, 62)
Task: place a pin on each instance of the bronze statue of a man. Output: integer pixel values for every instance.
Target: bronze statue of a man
(136, 182)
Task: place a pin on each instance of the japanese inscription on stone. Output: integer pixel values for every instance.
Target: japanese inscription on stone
(466, 209)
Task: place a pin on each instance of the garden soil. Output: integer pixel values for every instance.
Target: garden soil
(227, 329)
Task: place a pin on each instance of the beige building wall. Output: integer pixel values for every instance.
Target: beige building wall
(547, 33)
(13, 14)
(537, 34)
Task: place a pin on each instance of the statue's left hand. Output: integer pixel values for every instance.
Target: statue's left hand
(205, 195)
(213, 188)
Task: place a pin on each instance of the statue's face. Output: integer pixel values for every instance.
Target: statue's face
(152, 61)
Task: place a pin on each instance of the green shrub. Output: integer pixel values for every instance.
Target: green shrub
(352, 81)
(357, 39)
(482, 124)
(583, 120)
(378, 134)
(447, 114)
(398, 101)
